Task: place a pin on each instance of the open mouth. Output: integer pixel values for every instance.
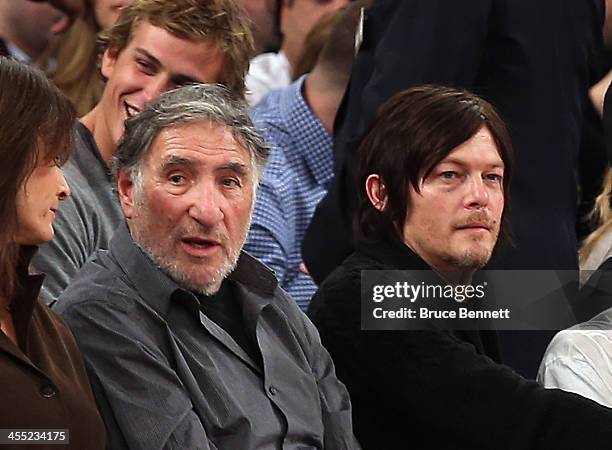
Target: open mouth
(130, 110)
(200, 247)
(199, 242)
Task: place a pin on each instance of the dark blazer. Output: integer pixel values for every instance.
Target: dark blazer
(43, 383)
(437, 389)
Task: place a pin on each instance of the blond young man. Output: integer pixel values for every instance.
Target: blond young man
(154, 46)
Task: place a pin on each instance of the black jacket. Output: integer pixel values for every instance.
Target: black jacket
(440, 389)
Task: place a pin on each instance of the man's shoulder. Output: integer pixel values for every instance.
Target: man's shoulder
(347, 276)
(268, 117)
(343, 284)
(100, 280)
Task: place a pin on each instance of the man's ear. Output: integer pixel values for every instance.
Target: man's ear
(377, 193)
(125, 188)
(109, 58)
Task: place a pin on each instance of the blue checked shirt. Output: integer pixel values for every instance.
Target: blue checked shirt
(296, 178)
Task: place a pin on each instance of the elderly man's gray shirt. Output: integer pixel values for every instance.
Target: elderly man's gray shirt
(167, 377)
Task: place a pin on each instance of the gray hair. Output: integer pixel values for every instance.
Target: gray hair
(210, 103)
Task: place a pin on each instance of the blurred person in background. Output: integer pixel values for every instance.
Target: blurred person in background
(262, 14)
(26, 29)
(275, 70)
(43, 382)
(77, 55)
(297, 123)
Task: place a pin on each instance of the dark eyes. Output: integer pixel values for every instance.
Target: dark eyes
(231, 182)
(145, 66)
(177, 179)
(494, 177)
(448, 175)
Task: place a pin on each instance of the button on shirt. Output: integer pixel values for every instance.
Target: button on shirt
(294, 181)
(168, 377)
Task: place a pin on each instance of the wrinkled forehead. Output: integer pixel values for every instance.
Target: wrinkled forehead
(200, 144)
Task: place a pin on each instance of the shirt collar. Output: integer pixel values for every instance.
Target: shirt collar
(312, 142)
(26, 293)
(90, 146)
(158, 289)
(17, 53)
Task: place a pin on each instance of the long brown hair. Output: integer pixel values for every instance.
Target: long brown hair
(36, 126)
(77, 69)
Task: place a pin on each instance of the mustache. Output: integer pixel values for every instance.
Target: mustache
(479, 217)
(202, 231)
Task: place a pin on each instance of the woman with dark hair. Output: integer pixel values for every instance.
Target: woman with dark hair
(43, 383)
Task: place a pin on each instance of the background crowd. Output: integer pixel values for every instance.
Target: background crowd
(293, 107)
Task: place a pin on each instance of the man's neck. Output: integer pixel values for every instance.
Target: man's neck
(323, 102)
(95, 123)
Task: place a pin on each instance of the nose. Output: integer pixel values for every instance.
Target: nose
(477, 195)
(155, 87)
(206, 208)
(63, 191)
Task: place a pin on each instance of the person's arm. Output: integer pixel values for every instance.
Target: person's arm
(575, 363)
(270, 231)
(142, 400)
(442, 387)
(334, 398)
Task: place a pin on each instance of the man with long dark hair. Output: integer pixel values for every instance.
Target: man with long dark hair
(434, 173)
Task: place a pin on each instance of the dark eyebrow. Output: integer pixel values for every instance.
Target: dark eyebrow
(149, 56)
(178, 79)
(239, 168)
(174, 160)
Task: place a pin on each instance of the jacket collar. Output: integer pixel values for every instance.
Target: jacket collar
(392, 253)
(26, 294)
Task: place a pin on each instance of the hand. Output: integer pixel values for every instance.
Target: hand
(304, 269)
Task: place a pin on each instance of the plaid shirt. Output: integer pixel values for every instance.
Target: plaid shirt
(296, 178)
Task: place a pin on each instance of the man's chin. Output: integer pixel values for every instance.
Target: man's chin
(472, 258)
(207, 284)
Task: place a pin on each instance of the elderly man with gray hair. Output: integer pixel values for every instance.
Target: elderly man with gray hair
(190, 343)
